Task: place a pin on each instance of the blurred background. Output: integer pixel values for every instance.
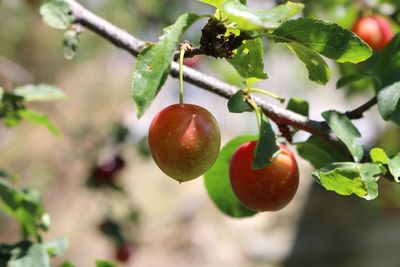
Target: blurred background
(162, 222)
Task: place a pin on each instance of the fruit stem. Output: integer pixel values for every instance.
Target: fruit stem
(256, 109)
(267, 93)
(181, 57)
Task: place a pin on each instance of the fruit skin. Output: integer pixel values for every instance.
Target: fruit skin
(375, 30)
(193, 62)
(267, 189)
(105, 173)
(123, 252)
(184, 141)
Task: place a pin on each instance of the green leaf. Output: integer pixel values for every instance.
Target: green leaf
(388, 100)
(346, 178)
(394, 167)
(39, 118)
(266, 148)
(238, 104)
(318, 70)
(214, 3)
(386, 64)
(105, 263)
(319, 153)
(1, 93)
(218, 184)
(35, 256)
(55, 13)
(24, 206)
(352, 78)
(56, 247)
(8, 176)
(328, 39)
(248, 59)
(67, 264)
(153, 63)
(40, 92)
(249, 19)
(71, 42)
(298, 105)
(342, 126)
(378, 155)
(369, 173)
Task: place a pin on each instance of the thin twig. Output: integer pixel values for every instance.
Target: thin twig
(358, 113)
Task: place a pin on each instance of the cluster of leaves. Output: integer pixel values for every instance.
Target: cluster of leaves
(25, 206)
(13, 105)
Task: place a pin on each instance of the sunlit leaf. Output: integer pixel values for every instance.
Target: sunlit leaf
(39, 118)
(105, 263)
(346, 178)
(248, 59)
(153, 63)
(40, 92)
(249, 19)
(55, 13)
(328, 39)
(318, 70)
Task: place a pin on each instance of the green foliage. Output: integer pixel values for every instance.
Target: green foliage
(215, 3)
(328, 39)
(153, 63)
(386, 65)
(13, 110)
(40, 119)
(352, 78)
(346, 178)
(67, 264)
(248, 59)
(319, 153)
(71, 42)
(218, 184)
(248, 19)
(266, 148)
(238, 104)
(55, 13)
(40, 92)
(389, 102)
(318, 70)
(25, 207)
(342, 126)
(7, 176)
(298, 105)
(105, 263)
(378, 155)
(25, 253)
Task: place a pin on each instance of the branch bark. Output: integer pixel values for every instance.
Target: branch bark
(131, 44)
(358, 113)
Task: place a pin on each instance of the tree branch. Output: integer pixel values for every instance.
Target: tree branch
(127, 42)
(358, 113)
